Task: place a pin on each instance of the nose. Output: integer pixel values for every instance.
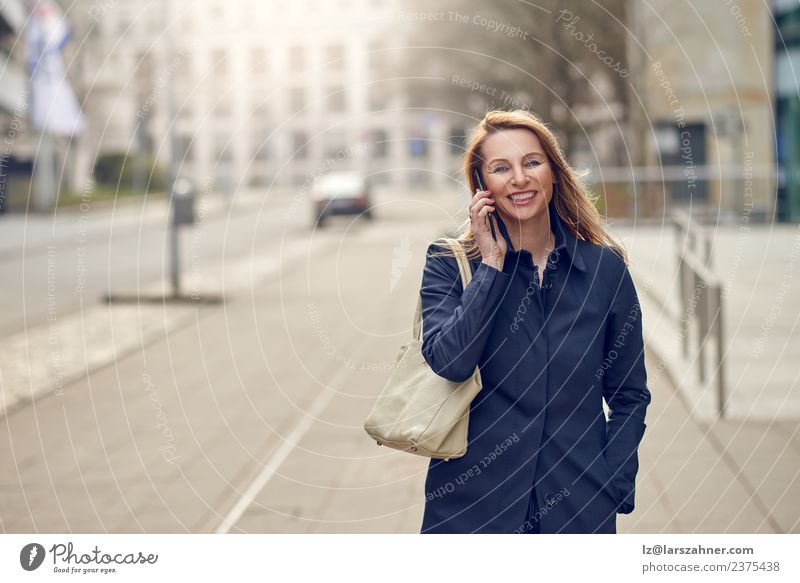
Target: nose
(519, 176)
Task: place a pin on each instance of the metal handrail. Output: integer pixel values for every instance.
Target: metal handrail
(697, 238)
(701, 295)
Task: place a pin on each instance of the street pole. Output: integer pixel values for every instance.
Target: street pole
(44, 174)
(171, 171)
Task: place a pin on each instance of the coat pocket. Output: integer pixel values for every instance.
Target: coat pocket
(608, 483)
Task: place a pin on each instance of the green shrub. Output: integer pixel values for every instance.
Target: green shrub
(129, 171)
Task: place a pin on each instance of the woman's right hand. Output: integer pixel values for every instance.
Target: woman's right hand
(493, 251)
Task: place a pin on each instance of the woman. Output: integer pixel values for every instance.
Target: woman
(552, 318)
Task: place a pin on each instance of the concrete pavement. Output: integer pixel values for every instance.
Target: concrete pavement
(271, 389)
(759, 265)
(740, 473)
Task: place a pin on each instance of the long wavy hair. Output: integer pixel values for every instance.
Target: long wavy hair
(572, 200)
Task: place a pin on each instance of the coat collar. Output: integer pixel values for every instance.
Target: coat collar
(566, 243)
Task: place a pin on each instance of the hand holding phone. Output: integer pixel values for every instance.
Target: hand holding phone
(479, 182)
(492, 248)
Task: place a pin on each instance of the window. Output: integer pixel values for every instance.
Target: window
(297, 99)
(377, 96)
(258, 61)
(457, 138)
(219, 61)
(184, 110)
(183, 148)
(299, 145)
(259, 118)
(222, 107)
(336, 98)
(376, 56)
(334, 57)
(379, 143)
(261, 147)
(223, 146)
(143, 63)
(417, 146)
(335, 144)
(183, 66)
(297, 58)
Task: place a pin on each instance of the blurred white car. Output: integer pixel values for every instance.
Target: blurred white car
(340, 193)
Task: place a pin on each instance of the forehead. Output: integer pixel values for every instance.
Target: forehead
(510, 144)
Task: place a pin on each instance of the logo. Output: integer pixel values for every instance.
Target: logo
(31, 556)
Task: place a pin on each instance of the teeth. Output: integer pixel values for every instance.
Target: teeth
(524, 196)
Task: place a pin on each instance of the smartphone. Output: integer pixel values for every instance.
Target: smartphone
(479, 182)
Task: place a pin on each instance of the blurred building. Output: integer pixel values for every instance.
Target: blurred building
(12, 75)
(253, 94)
(787, 107)
(704, 73)
(257, 93)
(13, 101)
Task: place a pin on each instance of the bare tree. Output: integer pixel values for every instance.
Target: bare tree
(546, 55)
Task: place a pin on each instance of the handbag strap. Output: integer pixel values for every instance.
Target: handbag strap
(465, 270)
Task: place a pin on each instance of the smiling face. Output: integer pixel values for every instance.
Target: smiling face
(518, 172)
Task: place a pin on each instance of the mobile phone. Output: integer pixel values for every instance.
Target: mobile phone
(480, 185)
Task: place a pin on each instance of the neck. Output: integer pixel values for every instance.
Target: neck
(533, 235)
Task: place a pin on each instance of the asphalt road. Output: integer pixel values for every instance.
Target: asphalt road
(249, 416)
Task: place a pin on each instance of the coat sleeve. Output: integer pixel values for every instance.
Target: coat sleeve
(624, 388)
(456, 322)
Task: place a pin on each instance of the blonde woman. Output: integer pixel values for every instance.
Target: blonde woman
(552, 318)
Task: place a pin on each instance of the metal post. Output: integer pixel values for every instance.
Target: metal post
(698, 284)
(44, 173)
(174, 244)
(702, 332)
(171, 172)
(684, 314)
(720, 353)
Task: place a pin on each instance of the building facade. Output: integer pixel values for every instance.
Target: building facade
(787, 107)
(254, 94)
(704, 74)
(13, 103)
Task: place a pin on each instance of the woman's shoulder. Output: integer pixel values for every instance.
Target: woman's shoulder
(443, 243)
(602, 259)
(439, 255)
(446, 247)
(440, 258)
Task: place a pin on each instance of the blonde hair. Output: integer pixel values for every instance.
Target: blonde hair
(571, 198)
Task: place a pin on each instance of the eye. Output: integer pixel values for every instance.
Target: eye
(532, 163)
(499, 168)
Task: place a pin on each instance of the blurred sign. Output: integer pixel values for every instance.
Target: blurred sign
(54, 109)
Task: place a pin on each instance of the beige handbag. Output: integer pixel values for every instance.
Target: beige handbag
(418, 411)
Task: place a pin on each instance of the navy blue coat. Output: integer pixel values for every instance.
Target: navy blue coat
(541, 457)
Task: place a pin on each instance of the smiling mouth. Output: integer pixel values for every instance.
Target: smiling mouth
(523, 196)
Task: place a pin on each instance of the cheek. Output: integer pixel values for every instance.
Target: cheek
(493, 182)
(544, 176)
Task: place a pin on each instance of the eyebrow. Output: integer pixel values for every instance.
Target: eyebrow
(525, 156)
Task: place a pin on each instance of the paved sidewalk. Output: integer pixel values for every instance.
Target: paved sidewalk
(696, 477)
(718, 477)
(758, 266)
(274, 387)
(741, 473)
